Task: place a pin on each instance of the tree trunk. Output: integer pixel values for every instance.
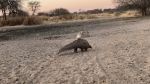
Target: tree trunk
(34, 10)
(144, 11)
(4, 14)
(33, 13)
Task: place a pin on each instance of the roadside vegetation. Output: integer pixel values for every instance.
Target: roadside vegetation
(13, 13)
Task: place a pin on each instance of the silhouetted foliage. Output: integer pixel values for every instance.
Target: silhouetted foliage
(141, 5)
(12, 6)
(4, 6)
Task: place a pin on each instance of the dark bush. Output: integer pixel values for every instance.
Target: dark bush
(59, 11)
(43, 14)
(109, 10)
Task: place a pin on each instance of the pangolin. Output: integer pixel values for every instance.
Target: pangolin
(78, 43)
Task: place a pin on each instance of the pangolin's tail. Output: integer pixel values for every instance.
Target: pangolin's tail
(67, 47)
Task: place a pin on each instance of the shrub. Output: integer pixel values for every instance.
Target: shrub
(32, 20)
(43, 14)
(59, 12)
(66, 17)
(93, 11)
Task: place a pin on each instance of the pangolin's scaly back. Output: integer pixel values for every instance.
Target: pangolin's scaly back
(68, 46)
(79, 43)
(84, 43)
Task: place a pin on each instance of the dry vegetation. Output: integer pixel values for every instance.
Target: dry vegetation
(73, 17)
(12, 21)
(37, 20)
(32, 21)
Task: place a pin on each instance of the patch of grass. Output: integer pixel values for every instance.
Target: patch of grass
(130, 14)
(12, 21)
(72, 17)
(32, 20)
(44, 18)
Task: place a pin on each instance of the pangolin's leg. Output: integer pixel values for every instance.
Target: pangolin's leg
(76, 50)
(82, 49)
(85, 49)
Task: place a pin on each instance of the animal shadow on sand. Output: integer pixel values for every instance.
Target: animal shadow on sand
(70, 53)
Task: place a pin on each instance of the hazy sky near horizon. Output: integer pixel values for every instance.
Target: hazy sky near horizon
(75, 5)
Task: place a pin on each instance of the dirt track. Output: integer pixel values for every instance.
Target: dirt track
(120, 55)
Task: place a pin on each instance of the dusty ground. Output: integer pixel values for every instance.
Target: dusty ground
(120, 55)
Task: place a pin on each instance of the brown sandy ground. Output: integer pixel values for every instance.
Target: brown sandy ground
(120, 55)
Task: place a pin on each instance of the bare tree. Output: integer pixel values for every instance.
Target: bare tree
(34, 6)
(141, 5)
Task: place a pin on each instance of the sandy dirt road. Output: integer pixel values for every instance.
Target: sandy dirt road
(120, 55)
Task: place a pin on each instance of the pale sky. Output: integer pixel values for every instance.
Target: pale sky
(75, 5)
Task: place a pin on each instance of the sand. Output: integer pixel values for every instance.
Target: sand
(120, 55)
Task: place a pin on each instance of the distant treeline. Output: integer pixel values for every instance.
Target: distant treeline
(63, 11)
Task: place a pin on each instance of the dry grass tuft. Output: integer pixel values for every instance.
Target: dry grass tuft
(130, 14)
(32, 20)
(12, 21)
(71, 17)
